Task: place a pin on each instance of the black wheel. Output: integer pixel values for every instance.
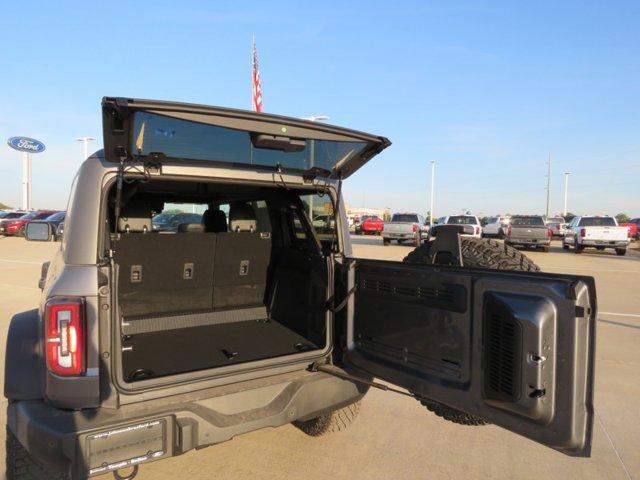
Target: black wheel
(21, 466)
(331, 422)
(576, 247)
(565, 246)
(386, 241)
(476, 253)
(545, 249)
(500, 233)
(20, 232)
(621, 252)
(417, 241)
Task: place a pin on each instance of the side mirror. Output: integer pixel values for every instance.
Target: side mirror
(38, 232)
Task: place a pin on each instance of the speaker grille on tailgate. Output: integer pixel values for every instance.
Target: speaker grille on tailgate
(503, 346)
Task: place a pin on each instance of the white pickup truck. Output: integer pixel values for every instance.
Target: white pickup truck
(596, 232)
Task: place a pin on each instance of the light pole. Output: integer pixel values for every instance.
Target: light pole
(566, 189)
(86, 141)
(433, 178)
(548, 185)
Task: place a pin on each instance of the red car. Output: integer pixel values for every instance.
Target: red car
(633, 228)
(16, 226)
(370, 225)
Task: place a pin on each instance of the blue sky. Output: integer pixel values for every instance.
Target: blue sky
(486, 89)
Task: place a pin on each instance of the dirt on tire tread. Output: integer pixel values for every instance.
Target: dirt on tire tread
(335, 421)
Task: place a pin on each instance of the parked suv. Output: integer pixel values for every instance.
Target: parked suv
(147, 345)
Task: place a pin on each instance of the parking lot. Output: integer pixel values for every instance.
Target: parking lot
(394, 436)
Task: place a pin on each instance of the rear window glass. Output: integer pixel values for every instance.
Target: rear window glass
(408, 218)
(531, 221)
(597, 222)
(181, 139)
(462, 220)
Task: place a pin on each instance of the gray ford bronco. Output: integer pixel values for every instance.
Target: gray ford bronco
(148, 344)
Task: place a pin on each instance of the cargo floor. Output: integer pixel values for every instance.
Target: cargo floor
(189, 349)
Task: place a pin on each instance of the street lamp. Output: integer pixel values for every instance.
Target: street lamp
(86, 141)
(433, 178)
(566, 189)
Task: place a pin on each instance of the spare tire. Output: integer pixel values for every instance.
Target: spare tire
(476, 253)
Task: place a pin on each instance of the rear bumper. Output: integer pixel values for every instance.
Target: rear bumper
(604, 243)
(532, 242)
(92, 442)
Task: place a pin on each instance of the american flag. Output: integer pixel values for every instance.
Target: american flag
(256, 89)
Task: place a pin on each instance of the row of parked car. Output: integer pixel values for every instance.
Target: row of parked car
(520, 231)
(14, 222)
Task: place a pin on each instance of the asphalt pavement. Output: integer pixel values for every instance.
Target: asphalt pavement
(394, 436)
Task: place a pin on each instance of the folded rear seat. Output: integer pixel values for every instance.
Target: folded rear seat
(241, 261)
(162, 274)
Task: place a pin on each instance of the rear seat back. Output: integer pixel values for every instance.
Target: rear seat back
(163, 274)
(241, 261)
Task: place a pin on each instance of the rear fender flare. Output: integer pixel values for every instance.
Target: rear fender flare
(23, 367)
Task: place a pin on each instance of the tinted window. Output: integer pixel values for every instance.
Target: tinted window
(320, 208)
(492, 220)
(43, 215)
(196, 141)
(405, 217)
(56, 217)
(597, 222)
(11, 215)
(530, 221)
(462, 220)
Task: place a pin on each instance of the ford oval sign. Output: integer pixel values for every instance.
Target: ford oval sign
(26, 144)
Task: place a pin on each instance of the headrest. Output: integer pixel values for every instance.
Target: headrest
(135, 218)
(214, 220)
(190, 228)
(242, 218)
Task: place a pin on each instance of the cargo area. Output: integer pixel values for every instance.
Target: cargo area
(248, 282)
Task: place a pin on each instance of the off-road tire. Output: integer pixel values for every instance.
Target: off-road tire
(476, 253)
(386, 242)
(453, 415)
(21, 466)
(576, 247)
(481, 253)
(621, 251)
(335, 421)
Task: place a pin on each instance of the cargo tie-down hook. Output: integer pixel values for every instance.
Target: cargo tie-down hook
(131, 476)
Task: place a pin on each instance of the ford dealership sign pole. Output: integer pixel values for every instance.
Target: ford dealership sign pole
(27, 146)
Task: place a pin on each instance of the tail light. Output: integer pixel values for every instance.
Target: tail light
(509, 231)
(415, 228)
(477, 230)
(583, 232)
(65, 336)
(549, 233)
